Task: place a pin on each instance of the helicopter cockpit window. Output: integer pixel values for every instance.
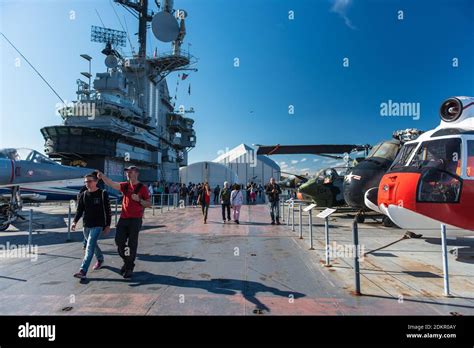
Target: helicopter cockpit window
(443, 154)
(329, 176)
(404, 155)
(439, 187)
(321, 174)
(470, 158)
(387, 150)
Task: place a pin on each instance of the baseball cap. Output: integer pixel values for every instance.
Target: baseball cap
(130, 168)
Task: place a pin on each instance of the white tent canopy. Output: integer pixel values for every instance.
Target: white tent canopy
(243, 160)
(213, 173)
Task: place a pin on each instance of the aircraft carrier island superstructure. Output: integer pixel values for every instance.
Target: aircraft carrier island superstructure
(128, 116)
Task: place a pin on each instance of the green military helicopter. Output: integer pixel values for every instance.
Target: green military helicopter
(326, 188)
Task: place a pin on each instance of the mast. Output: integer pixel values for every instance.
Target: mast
(143, 18)
(142, 22)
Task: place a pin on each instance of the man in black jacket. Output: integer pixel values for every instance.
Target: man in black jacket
(94, 204)
(273, 192)
(224, 197)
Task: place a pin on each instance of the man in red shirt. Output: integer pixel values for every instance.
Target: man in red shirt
(135, 199)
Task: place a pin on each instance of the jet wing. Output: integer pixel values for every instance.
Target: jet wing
(308, 149)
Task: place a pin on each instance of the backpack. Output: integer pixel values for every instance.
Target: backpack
(225, 195)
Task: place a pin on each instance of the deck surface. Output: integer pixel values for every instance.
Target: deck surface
(187, 268)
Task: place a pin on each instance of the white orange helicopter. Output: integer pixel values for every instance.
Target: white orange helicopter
(432, 179)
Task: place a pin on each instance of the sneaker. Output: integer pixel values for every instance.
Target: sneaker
(98, 265)
(278, 222)
(128, 273)
(122, 270)
(237, 222)
(223, 221)
(273, 222)
(81, 274)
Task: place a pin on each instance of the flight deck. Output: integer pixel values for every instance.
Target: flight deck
(185, 267)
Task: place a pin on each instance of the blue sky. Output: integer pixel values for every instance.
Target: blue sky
(283, 62)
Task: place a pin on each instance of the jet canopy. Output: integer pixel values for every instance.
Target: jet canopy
(24, 154)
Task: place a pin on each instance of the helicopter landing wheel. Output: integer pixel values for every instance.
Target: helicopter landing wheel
(360, 218)
(386, 222)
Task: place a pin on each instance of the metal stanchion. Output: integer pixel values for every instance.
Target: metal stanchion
(161, 202)
(355, 238)
(283, 210)
(293, 216)
(311, 229)
(153, 204)
(326, 232)
(300, 221)
(445, 260)
(30, 230)
(69, 224)
(288, 218)
(168, 202)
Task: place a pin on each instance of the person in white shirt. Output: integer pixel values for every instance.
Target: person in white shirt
(236, 201)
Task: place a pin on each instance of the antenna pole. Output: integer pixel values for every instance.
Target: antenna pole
(142, 28)
(143, 18)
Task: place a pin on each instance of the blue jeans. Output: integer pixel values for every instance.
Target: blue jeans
(91, 234)
(274, 210)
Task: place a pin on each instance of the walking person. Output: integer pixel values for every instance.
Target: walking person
(183, 192)
(191, 194)
(217, 190)
(273, 192)
(236, 201)
(253, 194)
(204, 198)
(196, 191)
(93, 203)
(135, 199)
(260, 193)
(247, 196)
(84, 241)
(224, 198)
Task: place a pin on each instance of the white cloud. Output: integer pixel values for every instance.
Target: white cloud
(316, 160)
(294, 161)
(303, 160)
(282, 163)
(340, 7)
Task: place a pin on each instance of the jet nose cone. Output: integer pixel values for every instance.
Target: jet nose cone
(6, 171)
